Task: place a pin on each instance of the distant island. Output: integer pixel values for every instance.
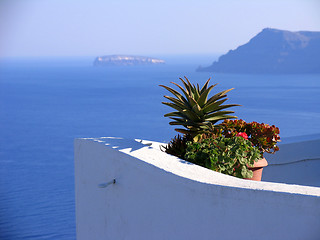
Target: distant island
(125, 60)
(272, 51)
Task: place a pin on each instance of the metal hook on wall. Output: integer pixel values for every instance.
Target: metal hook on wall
(104, 185)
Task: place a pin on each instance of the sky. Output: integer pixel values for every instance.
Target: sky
(42, 28)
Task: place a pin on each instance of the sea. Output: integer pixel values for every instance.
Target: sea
(45, 103)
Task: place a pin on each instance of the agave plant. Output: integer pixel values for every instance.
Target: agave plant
(194, 110)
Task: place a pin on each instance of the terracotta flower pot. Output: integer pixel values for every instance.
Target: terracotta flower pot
(257, 169)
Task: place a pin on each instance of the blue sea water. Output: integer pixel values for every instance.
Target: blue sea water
(46, 103)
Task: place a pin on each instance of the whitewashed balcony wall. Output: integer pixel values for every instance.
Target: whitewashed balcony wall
(158, 196)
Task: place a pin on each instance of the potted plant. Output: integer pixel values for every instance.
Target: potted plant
(262, 136)
(230, 156)
(232, 147)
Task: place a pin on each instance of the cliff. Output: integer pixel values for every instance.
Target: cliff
(125, 60)
(273, 51)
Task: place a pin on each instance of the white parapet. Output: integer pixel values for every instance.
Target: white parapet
(129, 189)
(296, 163)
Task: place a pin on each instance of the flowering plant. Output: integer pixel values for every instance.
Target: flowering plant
(229, 148)
(230, 156)
(263, 136)
(242, 134)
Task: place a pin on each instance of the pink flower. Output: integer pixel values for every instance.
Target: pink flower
(242, 134)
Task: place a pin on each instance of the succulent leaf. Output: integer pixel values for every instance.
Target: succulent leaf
(178, 102)
(221, 117)
(219, 95)
(204, 96)
(186, 114)
(194, 111)
(187, 86)
(174, 92)
(213, 106)
(218, 114)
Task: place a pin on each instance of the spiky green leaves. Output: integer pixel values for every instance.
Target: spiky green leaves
(194, 110)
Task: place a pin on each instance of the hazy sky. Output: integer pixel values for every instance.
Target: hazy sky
(98, 27)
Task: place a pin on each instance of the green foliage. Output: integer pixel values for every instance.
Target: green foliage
(229, 147)
(194, 110)
(178, 146)
(230, 156)
(263, 136)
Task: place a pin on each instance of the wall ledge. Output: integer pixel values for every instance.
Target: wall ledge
(158, 196)
(150, 153)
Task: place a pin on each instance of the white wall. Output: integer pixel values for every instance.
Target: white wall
(295, 163)
(158, 196)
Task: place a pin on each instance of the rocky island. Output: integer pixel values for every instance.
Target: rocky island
(125, 60)
(273, 51)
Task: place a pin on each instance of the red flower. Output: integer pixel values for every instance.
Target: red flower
(242, 134)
